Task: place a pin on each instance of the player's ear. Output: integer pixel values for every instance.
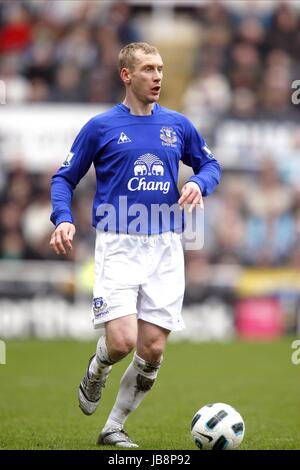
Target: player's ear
(125, 75)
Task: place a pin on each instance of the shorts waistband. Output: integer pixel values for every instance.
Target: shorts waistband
(143, 238)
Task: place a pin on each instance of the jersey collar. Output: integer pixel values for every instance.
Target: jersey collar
(127, 110)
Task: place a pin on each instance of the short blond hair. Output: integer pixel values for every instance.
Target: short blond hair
(127, 54)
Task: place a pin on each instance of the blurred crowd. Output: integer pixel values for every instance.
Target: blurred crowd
(63, 51)
(252, 220)
(243, 68)
(244, 65)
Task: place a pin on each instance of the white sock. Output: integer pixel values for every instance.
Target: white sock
(135, 384)
(101, 363)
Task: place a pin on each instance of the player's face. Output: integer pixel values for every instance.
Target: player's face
(146, 77)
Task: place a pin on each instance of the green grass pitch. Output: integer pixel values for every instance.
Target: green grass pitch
(39, 409)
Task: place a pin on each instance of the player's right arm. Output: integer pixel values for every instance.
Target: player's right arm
(64, 182)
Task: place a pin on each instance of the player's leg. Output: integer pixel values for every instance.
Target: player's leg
(140, 375)
(121, 335)
(118, 341)
(159, 312)
(115, 294)
(136, 382)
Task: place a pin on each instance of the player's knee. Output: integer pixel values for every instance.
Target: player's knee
(153, 352)
(121, 346)
(156, 352)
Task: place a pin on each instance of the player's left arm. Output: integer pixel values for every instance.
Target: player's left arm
(207, 171)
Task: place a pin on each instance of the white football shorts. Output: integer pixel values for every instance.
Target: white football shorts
(139, 274)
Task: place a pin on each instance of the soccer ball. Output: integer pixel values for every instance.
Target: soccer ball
(217, 427)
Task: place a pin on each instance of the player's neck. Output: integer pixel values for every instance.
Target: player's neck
(137, 108)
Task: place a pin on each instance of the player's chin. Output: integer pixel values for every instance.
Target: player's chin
(154, 97)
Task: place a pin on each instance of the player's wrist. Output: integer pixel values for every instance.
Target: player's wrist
(196, 184)
(63, 218)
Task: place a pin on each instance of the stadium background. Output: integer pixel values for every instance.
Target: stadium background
(230, 67)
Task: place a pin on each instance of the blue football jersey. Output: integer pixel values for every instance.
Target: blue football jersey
(136, 160)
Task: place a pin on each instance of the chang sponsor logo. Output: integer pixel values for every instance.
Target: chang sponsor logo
(140, 184)
(148, 165)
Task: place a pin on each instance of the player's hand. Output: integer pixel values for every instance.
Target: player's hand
(62, 237)
(191, 194)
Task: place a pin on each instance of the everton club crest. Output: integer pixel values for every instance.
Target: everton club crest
(99, 306)
(168, 136)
